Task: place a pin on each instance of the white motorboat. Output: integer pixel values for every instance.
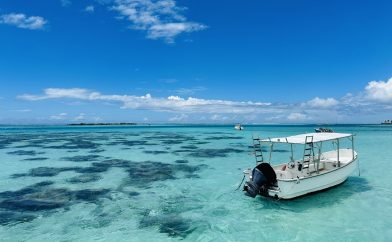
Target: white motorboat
(317, 170)
(323, 130)
(388, 122)
(238, 127)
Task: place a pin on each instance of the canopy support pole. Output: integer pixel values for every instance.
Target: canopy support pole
(319, 156)
(337, 143)
(270, 154)
(352, 146)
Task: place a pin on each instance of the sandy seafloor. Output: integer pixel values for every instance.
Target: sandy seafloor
(170, 183)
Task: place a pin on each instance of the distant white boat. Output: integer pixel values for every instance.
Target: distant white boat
(317, 170)
(239, 127)
(323, 130)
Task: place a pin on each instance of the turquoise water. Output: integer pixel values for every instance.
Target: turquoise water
(167, 183)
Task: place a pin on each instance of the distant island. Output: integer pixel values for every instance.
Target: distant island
(387, 122)
(100, 124)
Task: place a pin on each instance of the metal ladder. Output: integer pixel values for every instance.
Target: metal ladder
(257, 149)
(308, 152)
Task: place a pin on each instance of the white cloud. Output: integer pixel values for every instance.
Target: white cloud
(161, 19)
(80, 117)
(376, 99)
(60, 116)
(147, 102)
(297, 117)
(51, 93)
(169, 31)
(66, 3)
(189, 91)
(217, 117)
(26, 110)
(379, 90)
(97, 119)
(179, 118)
(90, 9)
(20, 20)
(322, 103)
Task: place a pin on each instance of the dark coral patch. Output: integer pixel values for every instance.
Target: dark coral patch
(11, 218)
(76, 143)
(171, 224)
(223, 137)
(49, 171)
(90, 194)
(171, 142)
(131, 143)
(141, 174)
(211, 153)
(200, 142)
(41, 196)
(113, 163)
(133, 194)
(82, 158)
(181, 161)
(36, 200)
(170, 138)
(155, 152)
(36, 159)
(176, 226)
(25, 152)
(144, 173)
(96, 151)
(92, 169)
(192, 176)
(8, 140)
(191, 147)
(84, 178)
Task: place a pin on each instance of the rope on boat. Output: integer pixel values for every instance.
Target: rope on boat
(243, 178)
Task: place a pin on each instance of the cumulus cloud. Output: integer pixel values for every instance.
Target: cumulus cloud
(160, 19)
(22, 21)
(178, 118)
(322, 103)
(66, 3)
(60, 116)
(217, 117)
(80, 117)
(169, 31)
(189, 91)
(51, 93)
(90, 9)
(379, 90)
(26, 110)
(375, 99)
(147, 102)
(297, 117)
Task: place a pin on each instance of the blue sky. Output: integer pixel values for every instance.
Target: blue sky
(201, 61)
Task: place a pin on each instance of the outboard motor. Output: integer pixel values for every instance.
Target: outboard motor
(263, 177)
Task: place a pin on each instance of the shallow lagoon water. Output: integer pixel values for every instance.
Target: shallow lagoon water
(171, 183)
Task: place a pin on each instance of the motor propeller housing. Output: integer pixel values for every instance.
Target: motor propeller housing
(263, 177)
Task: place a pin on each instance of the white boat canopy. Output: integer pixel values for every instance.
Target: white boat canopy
(300, 139)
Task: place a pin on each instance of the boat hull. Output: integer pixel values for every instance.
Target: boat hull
(288, 189)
